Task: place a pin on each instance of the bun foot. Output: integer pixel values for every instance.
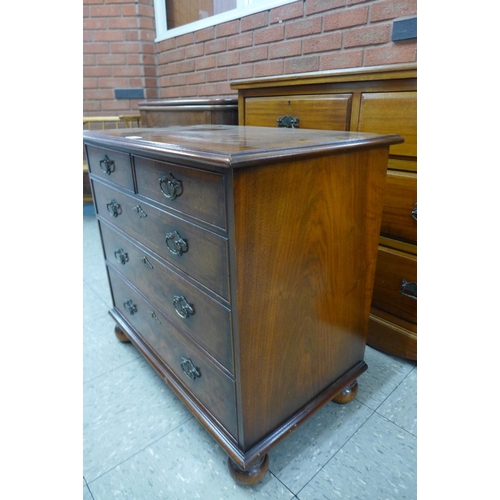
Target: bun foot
(120, 335)
(347, 394)
(253, 475)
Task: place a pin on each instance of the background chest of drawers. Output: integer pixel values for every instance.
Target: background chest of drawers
(381, 100)
(241, 263)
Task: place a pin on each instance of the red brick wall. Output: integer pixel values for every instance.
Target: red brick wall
(304, 36)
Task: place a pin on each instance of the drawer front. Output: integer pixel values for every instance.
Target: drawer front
(327, 112)
(395, 284)
(208, 323)
(199, 253)
(194, 192)
(214, 389)
(111, 165)
(399, 218)
(391, 113)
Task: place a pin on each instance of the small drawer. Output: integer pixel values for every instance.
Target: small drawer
(208, 322)
(110, 165)
(201, 254)
(395, 288)
(399, 217)
(191, 191)
(327, 112)
(214, 389)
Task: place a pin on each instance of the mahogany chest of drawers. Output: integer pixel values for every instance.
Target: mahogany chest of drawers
(241, 262)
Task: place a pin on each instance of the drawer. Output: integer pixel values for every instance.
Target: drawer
(201, 254)
(212, 387)
(191, 191)
(393, 290)
(391, 113)
(328, 112)
(209, 322)
(399, 214)
(111, 165)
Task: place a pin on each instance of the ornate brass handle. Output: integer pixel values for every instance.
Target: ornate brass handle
(114, 208)
(288, 122)
(170, 186)
(130, 306)
(139, 211)
(414, 211)
(175, 243)
(107, 165)
(189, 369)
(409, 289)
(121, 256)
(182, 307)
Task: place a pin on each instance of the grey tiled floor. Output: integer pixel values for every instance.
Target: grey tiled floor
(141, 443)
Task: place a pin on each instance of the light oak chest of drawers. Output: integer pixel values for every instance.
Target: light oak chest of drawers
(241, 262)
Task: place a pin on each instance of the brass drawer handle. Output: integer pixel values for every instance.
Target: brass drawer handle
(130, 307)
(182, 307)
(189, 369)
(170, 186)
(114, 208)
(121, 256)
(288, 122)
(414, 211)
(409, 289)
(139, 211)
(107, 165)
(175, 243)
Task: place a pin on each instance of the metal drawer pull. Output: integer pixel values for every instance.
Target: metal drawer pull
(146, 262)
(409, 289)
(189, 369)
(414, 211)
(121, 256)
(288, 122)
(170, 186)
(130, 306)
(139, 211)
(107, 165)
(154, 316)
(182, 307)
(175, 243)
(114, 208)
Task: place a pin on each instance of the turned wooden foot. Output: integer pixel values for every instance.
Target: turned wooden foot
(120, 335)
(347, 394)
(250, 476)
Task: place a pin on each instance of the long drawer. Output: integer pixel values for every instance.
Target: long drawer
(111, 165)
(214, 389)
(204, 319)
(201, 254)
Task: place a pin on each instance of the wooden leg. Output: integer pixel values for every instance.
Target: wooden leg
(120, 335)
(250, 476)
(347, 394)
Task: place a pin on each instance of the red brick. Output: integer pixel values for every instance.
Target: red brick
(95, 24)
(289, 48)
(187, 39)
(207, 89)
(228, 59)
(253, 54)
(174, 55)
(345, 18)
(217, 75)
(204, 35)
(390, 9)
(90, 83)
(285, 12)
(206, 62)
(302, 64)
(196, 78)
(165, 45)
(110, 59)
(314, 6)
(368, 35)
(195, 50)
(322, 43)
(125, 47)
(240, 72)
(178, 80)
(342, 59)
(215, 46)
(267, 35)
(240, 41)
(393, 53)
(97, 71)
(112, 83)
(108, 36)
(268, 68)
(254, 21)
(99, 94)
(88, 59)
(304, 27)
(104, 11)
(226, 29)
(96, 48)
(122, 23)
(224, 89)
(125, 71)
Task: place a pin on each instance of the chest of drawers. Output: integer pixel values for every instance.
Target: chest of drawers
(241, 262)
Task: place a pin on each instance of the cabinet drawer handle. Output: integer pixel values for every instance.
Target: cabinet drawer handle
(288, 122)
(139, 211)
(121, 256)
(182, 307)
(409, 289)
(170, 186)
(414, 211)
(146, 262)
(175, 243)
(154, 316)
(114, 208)
(130, 307)
(189, 369)
(107, 165)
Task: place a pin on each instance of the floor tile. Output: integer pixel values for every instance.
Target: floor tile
(94, 306)
(185, 464)
(124, 411)
(377, 463)
(86, 494)
(304, 452)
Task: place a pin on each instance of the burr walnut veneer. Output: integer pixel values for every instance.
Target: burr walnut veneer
(241, 262)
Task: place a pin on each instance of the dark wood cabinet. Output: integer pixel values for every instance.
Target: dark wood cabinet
(241, 262)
